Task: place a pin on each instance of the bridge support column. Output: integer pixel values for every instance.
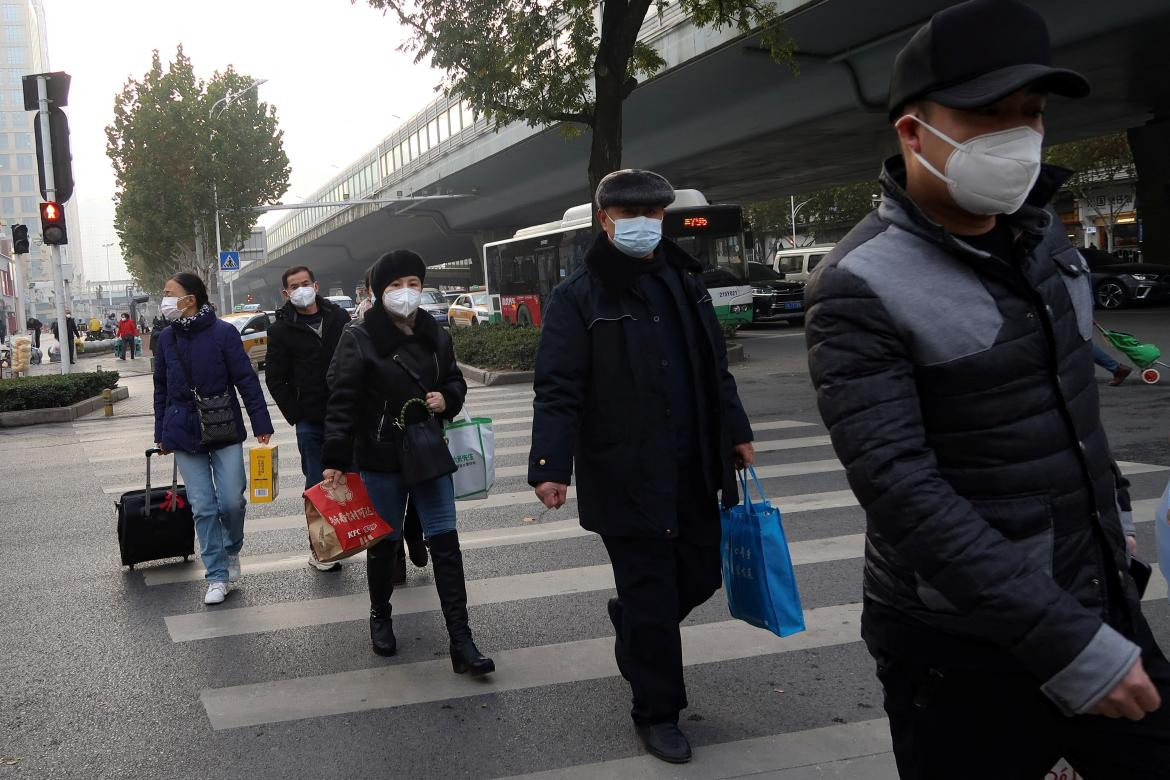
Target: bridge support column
(1151, 155)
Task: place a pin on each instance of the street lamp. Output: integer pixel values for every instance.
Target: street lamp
(211, 115)
(795, 210)
(109, 279)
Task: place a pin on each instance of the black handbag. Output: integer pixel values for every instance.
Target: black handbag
(422, 448)
(216, 413)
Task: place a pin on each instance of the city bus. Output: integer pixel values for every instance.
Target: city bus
(521, 272)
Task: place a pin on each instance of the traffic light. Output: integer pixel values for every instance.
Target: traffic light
(53, 223)
(20, 239)
(250, 299)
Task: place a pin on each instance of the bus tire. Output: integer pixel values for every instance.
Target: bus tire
(523, 316)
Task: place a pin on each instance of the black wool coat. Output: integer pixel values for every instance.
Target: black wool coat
(368, 387)
(602, 398)
(298, 360)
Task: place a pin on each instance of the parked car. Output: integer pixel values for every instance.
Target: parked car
(436, 305)
(797, 264)
(775, 298)
(345, 302)
(469, 309)
(253, 328)
(1117, 284)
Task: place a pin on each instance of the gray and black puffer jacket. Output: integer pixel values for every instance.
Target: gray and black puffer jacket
(959, 392)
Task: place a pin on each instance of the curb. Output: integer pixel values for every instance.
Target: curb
(485, 377)
(62, 414)
(735, 353)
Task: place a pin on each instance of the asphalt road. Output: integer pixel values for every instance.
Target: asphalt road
(110, 673)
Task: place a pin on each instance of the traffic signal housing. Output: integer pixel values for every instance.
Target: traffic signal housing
(20, 239)
(53, 223)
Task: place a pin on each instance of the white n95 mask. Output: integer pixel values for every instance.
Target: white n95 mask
(403, 301)
(991, 173)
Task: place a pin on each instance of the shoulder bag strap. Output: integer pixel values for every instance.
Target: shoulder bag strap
(413, 374)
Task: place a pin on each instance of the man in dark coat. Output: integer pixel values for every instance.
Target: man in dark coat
(300, 347)
(950, 343)
(71, 331)
(632, 389)
(34, 328)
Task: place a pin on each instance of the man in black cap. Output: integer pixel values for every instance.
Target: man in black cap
(950, 342)
(632, 389)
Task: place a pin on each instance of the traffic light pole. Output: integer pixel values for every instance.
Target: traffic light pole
(218, 249)
(63, 334)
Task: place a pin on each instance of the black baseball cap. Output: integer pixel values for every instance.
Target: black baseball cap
(976, 53)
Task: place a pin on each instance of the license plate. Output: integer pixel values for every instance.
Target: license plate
(794, 305)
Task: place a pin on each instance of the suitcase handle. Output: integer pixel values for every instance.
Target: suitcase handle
(174, 476)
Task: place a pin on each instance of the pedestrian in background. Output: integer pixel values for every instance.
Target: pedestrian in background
(396, 355)
(34, 328)
(633, 391)
(301, 343)
(1106, 361)
(950, 344)
(127, 332)
(209, 351)
(156, 328)
(71, 332)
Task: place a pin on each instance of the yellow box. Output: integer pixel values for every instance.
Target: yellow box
(263, 473)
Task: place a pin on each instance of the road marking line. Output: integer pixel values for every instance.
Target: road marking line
(862, 745)
(529, 667)
(523, 668)
(192, 571)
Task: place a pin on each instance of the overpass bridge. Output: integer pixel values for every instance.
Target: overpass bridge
(722, 117)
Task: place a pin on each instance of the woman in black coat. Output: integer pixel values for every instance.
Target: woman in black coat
(395, 355)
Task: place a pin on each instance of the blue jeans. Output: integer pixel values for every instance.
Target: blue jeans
(215, 487)
(310, 440)
(434, 500)
(1102, 358)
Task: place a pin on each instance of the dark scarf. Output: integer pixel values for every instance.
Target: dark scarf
(388, 336)
(197, 321)
(617, 269)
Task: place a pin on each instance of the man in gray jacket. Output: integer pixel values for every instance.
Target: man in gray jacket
(950, 342)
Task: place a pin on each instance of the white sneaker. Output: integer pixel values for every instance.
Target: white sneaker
(216, 592)
(233, 568)
(321, 566)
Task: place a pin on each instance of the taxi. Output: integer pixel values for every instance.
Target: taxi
(253, 329)
(469, 309)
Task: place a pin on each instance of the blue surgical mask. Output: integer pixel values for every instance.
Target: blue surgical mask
(637, 236)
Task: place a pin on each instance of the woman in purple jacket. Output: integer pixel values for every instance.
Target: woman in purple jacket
(210, 350)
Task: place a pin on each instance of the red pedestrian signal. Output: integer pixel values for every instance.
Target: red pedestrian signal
(53, 223)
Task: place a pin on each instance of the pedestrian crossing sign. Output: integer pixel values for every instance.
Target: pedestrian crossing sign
(229, 261)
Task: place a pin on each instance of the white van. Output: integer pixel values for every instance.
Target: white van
(797, 264)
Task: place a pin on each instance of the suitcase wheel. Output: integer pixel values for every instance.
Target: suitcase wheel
(131, 567)
(185, 557)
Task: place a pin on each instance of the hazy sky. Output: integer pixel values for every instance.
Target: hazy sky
(333, 69)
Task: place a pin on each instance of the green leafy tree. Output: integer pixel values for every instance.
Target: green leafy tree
(1101, 163)
(574, 61)
(824, 212)
(169, 155)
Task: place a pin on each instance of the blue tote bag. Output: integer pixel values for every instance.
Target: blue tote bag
(757, 567)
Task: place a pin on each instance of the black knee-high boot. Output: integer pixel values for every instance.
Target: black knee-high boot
(380, 561)
(413, 536)
(449, 582)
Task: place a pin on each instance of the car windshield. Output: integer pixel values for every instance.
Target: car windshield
(344, 301)
(758, 272)
(238, 322)
(791, 264)
(430, 296)
(479, 301)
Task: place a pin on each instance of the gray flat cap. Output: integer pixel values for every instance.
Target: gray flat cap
(633, 187)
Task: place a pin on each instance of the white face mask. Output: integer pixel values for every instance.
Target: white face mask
(403, 301)
(992, 173)
(303, 297)
(169, 308)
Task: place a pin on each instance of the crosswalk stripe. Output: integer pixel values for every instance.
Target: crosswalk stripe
(852, 750)
(495, 590)
(192, 571)
(528, 667)
(522, 668)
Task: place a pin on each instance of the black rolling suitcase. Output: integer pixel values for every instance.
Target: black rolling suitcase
(155, 523)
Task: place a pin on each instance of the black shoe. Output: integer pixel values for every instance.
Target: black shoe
(399, 575)
(452, 589)
(382, 632)
(665, 741)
